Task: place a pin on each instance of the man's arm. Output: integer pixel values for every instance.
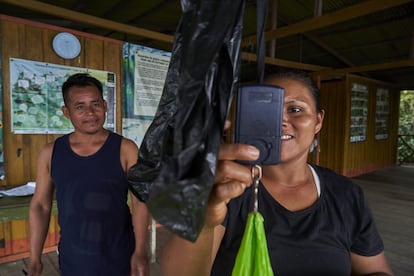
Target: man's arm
(140, 215)
(40, 209)
(140, 221)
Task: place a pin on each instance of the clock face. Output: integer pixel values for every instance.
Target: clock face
(66, 45)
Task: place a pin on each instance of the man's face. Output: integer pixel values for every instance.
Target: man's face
(85, 109)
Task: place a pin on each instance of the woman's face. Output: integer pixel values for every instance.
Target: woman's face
(301, 121)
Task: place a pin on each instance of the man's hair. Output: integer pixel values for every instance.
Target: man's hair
(300, 76)
(80, 80)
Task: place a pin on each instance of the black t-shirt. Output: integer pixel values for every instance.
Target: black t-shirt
(313, 241)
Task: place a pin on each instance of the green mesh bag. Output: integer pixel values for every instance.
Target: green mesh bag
(253, 257)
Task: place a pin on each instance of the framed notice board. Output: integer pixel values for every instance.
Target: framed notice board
(359, 112)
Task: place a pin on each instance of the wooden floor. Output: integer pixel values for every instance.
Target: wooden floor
(390, 193)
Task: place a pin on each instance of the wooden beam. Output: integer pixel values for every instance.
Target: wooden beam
(412, 45)
(344, 14)
(328, 49)
(318, 8)
(321, 44)
(341, 15)
(273, 23)
(368, 68)
(284, 63)
(88, 19)
(112, 25)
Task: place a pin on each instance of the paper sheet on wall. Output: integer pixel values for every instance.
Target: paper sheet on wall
(145, 71)
(24, 190)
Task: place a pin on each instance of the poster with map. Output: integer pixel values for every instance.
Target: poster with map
(36, 96)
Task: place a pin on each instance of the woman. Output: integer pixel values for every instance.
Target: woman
(316, 221)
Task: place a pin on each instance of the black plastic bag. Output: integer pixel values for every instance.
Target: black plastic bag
(177, 158)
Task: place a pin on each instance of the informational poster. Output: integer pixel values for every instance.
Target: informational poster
(359, 112)
(145, 70)
(36, 96)
(382, 114)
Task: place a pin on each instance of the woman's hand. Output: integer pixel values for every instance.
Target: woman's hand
(230, 181)
(182, 257)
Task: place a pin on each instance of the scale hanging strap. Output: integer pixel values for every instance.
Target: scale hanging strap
(261, 12)
(256, 180)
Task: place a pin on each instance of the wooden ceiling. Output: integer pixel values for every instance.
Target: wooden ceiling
(373, 38)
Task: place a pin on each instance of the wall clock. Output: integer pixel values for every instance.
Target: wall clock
(66, 45)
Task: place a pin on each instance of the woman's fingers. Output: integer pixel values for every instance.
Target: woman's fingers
(227, 124)
(225, 191)
(231, 179)
(238, 152)
(228, 171)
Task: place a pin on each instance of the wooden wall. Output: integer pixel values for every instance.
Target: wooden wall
(336, 150)
(333, 101)
(33, 41)
(14, 229)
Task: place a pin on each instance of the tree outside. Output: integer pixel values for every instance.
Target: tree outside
(406, 128)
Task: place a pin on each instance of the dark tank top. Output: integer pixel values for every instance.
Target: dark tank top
(96, 235)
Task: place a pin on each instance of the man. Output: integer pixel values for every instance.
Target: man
(87, 168)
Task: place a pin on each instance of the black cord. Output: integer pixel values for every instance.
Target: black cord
(262, 6)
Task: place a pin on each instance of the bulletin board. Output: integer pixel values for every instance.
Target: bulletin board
(359, 112)
(382, 113)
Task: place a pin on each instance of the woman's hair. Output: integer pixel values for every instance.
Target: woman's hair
(80, 80)
(300, 76)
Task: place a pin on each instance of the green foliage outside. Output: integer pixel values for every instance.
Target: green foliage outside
(406, 127)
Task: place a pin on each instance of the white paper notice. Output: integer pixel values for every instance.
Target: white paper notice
(150, 73)
(24, 190)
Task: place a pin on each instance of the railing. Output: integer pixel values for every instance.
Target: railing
(406, 155)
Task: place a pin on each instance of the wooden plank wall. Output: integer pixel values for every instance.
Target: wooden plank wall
(337, 152)
(14, 233)
(333, 101)
(373, 154)
(33, 41)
